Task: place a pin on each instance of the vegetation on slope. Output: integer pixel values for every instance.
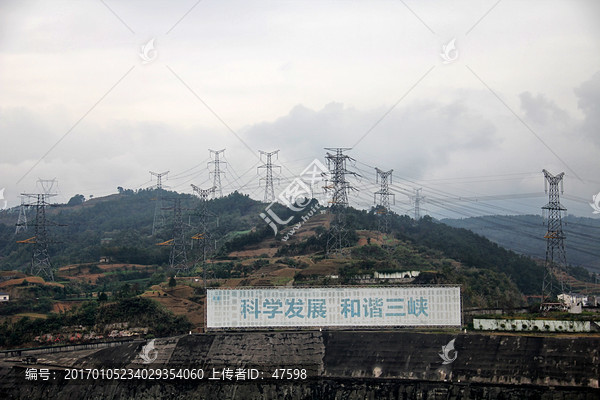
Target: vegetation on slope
(119, 227)
(93, 316)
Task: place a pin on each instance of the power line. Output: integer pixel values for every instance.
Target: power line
(179, 174)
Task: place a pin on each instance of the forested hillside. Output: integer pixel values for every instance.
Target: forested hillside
(119, 227)
(525, 235)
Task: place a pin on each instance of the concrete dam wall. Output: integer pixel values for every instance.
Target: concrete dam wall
(335, 365)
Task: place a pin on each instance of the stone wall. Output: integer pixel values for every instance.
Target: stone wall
(340, 364)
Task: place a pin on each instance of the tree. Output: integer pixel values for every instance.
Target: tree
(156, 278)
(76, 200)
(125, 290)
(102, 297)
(172, 282)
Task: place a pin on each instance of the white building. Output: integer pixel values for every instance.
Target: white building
(4, 296)
(396, 275)
(573, 299)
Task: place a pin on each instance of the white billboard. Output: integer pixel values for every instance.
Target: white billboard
(343, 306)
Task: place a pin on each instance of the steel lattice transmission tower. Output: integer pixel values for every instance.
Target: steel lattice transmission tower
(383, 205)
(159, 217)
(556, 260)
(40, 259)
(204, 236)
(417, 199)
(178, 256)
(47, 185)
(269, 190)
(339, 187)
(216, 172)
(22, 220)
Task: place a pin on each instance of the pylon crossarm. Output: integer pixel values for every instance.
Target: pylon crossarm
(26, 241)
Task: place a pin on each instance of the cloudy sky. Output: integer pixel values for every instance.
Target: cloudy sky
(86, 100)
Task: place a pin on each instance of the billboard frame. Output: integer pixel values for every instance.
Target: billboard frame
(280, 328)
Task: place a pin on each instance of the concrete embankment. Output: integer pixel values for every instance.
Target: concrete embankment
(337, 364)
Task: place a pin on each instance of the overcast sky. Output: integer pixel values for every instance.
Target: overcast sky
(520, 93)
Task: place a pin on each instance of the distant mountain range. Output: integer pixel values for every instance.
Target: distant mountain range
(524, 234)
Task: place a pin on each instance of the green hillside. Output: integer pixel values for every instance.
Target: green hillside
(119, 227)
(96, 293)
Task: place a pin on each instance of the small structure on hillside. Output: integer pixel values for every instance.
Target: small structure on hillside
(573, 299)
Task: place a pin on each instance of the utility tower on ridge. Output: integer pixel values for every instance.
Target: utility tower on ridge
(204, 236)
(40, 259)
(556, 260)
(202, 193)
(159, 217)
(269, 191)
(383, 209)
(47, 185)
(22, 221)
(216, 172)
(339, 187)
(178, 257)
(417, 199)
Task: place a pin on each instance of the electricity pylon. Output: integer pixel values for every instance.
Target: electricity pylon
(47, 185)
(159, 218)
(556, 260)
(178, 256)
(383, 205)
(41, 264)
(216, 172)
(204, 236)
(269, 190)
(339, 186)
(417, 199)
(22, 221)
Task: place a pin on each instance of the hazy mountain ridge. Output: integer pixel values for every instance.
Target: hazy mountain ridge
(524, 234)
